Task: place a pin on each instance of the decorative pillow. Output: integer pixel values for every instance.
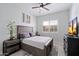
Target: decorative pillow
(26, 35)
(30, 34)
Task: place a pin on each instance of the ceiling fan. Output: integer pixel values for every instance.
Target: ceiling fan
(42, 5)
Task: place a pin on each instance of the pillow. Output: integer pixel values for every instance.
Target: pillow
(30, 34)
(26, 35)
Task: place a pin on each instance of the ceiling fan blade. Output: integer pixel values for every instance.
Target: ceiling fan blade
(35, 7)
(47, 4)
(45, 8)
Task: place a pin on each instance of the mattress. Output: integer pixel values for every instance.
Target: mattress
(37, 41)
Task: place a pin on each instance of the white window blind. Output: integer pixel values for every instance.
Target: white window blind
(50, 26)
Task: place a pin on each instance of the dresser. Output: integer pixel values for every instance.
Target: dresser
(71, 45)
(10, 46)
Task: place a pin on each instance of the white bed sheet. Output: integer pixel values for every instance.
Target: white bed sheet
(37, 41)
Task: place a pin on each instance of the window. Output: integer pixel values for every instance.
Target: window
(46, 26)
(50, 26)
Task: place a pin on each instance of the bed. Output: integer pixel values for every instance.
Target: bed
(35, 45)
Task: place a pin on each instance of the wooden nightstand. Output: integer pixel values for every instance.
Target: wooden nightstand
(10, 46)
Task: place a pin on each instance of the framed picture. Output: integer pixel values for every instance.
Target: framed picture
(26, 18)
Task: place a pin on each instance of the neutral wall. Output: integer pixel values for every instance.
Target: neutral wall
(62, 18)
(74, 12)
(13, 13)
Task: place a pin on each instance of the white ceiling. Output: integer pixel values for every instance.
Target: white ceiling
(53, 7)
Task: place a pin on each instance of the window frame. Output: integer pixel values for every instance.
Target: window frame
(49, 27)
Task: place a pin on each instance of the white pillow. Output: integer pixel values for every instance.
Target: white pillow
(26, 35)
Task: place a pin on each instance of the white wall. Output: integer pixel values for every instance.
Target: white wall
(14, 13)
(74, 10)
(62, 18)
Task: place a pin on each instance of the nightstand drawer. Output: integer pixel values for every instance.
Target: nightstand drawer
(12, 49)
(12, 42)
(10, 46)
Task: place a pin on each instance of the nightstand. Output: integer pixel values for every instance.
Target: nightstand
(37, 34)
(10, 46)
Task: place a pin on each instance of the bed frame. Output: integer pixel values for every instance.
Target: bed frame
(36, 51)
(33, 50)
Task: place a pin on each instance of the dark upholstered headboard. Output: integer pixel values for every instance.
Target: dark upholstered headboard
(24, 29)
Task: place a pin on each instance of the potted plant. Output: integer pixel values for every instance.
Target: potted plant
(11, 29)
